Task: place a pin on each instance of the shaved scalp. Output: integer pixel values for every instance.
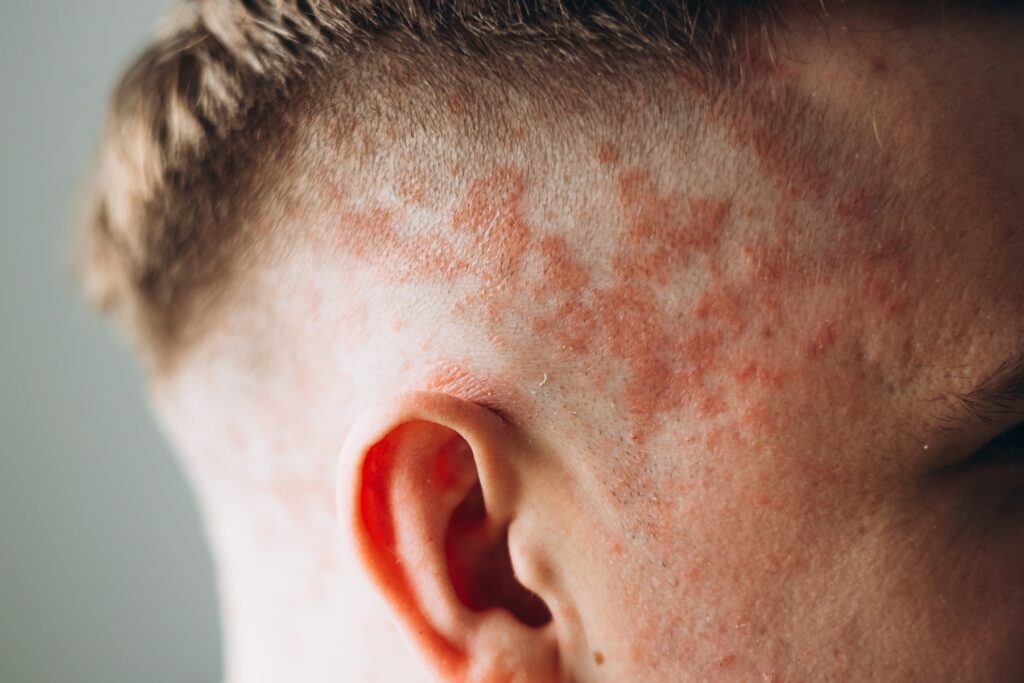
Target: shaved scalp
(202, 127)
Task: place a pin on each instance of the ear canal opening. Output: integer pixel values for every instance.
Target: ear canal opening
(480, 568)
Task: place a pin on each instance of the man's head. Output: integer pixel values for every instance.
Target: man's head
(627, 341)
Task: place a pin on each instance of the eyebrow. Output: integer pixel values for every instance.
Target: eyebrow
(998, 396)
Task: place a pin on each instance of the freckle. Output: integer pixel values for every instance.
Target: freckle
(598, 657)
(517, 134)
(879, 65)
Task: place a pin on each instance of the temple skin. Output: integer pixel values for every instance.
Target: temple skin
(709, 413)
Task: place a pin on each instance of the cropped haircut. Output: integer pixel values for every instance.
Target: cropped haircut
(202, 112)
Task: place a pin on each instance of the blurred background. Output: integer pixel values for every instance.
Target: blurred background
(104, 572)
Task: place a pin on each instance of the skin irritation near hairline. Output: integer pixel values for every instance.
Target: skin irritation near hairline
(615, 330)
(688, 312)
(525, 272)
(685, 313)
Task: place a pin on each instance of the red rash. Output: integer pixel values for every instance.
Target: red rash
(798, 168)
(487, 225)
(490, 224)
(673, 349)
(822, 340)
(412, 190)
(562, 287)
(664, 230)
(498, 395)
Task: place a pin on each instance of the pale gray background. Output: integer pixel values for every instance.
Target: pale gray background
(104, 573)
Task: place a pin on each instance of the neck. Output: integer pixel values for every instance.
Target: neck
(293, 606)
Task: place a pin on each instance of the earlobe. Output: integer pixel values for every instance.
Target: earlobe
(427, 491)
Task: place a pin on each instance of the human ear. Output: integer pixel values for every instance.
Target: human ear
(427, 491)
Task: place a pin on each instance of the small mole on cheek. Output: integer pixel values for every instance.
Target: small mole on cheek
(598, 657)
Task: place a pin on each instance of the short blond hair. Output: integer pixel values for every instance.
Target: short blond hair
(209, 104)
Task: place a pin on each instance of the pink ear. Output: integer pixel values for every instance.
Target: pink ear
(385, 467)
(482, 573)
(430, 519)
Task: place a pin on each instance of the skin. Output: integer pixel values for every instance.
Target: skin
(706, 408)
